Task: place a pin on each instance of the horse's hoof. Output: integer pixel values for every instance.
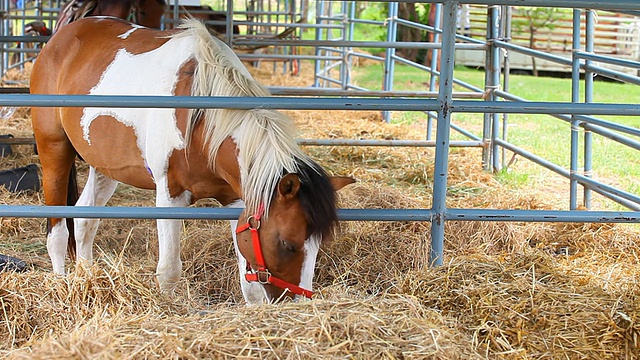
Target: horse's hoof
(8, 263)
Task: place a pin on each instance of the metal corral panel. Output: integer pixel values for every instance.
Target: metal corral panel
(617, 35)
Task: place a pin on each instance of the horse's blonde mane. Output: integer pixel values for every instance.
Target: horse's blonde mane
(265, 138)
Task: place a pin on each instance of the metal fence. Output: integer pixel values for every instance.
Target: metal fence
(442, 104)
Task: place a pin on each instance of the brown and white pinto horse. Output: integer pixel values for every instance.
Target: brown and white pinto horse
(240, 157)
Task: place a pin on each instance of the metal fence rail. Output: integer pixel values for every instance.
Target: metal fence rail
(334, 52)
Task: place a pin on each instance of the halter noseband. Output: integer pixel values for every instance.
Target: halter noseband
(262, 275)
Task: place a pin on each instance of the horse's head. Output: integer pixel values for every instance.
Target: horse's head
(281, 249)
(37, 28)
(149, 12)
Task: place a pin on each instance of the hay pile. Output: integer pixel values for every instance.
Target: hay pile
(506, 291)
(104, 312)
(527, 306)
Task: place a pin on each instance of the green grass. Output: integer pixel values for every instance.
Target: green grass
(542, 135)
(512, 178)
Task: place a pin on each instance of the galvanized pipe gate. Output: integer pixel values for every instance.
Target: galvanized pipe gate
(445, 105)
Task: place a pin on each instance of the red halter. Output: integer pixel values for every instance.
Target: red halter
(262, 275)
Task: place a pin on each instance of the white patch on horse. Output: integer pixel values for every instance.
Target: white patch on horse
(169, 266)
(151, 73)
(253, 292)
(134, 27)
(311, 248)
(97, 191)
(57, 246)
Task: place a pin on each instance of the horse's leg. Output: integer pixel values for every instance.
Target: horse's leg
(169, 264)
(97, 191)
(253, 292)
(57, 157)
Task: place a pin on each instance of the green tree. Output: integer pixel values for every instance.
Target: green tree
(532, 19)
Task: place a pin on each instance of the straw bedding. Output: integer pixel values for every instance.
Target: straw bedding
(506, 290)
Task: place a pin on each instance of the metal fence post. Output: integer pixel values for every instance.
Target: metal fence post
(390, 52)
(445, 99)
(575, 98)
(588, 97)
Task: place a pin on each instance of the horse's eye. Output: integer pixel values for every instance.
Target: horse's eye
(287, 246)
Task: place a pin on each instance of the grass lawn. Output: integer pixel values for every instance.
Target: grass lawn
(543, 135)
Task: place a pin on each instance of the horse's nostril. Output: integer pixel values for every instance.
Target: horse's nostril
(300, 298)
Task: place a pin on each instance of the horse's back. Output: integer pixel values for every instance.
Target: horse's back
(76, 52)
(107, 56)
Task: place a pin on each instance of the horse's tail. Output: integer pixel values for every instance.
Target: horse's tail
(72, 198)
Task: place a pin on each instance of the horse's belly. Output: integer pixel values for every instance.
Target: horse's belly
(129, 175)
(115, 149)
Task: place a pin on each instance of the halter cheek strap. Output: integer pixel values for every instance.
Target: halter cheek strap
(262, 275)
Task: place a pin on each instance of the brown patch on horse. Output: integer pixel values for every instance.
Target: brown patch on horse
(189, 168)
(130, 167)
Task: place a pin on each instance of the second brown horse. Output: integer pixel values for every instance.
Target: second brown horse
(142, 12)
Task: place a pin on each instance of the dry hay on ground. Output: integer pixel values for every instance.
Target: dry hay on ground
(506, 290)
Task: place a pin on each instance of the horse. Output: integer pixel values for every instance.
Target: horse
(241, 158)
(142, 12)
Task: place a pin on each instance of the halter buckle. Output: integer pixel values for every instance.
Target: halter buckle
(263, 276)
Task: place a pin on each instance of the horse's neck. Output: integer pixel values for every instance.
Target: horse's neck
(226, 165)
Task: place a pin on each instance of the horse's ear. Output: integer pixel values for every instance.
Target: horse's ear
(338, 182)
(288, 186)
